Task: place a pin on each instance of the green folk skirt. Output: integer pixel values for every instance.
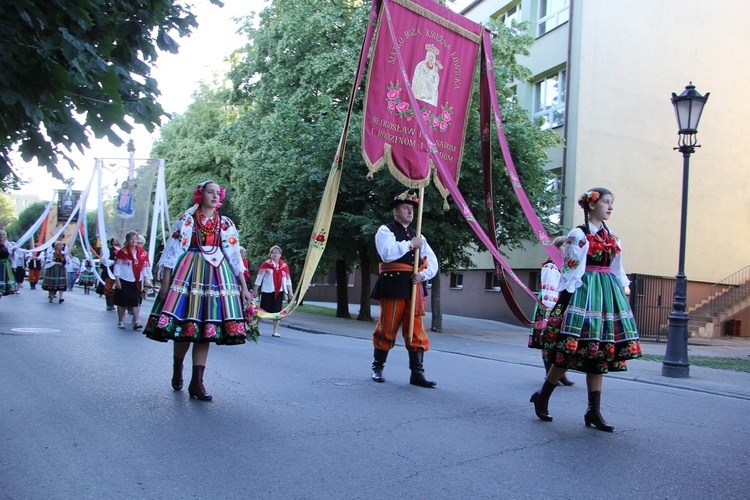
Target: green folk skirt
(591, 330)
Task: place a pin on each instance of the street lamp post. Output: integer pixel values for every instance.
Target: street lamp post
(688, 107)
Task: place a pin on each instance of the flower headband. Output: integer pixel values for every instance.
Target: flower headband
(198, 193)
(588, 197)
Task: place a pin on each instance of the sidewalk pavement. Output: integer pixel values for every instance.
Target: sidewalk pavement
(508, 343)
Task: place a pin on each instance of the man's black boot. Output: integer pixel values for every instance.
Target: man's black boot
(416, 359)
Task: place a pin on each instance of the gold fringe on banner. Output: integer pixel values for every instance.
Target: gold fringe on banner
(418, 9)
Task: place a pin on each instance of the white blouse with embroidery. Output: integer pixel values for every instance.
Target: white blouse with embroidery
(182, 235)
(574, 266)
(550, 281)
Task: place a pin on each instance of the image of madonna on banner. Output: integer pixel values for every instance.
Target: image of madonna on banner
(439, 52)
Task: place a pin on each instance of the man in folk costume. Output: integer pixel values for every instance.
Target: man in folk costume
(396, 243)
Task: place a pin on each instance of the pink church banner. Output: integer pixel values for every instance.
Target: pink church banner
(438, 49)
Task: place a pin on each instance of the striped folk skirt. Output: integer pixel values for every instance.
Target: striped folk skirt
(203, 304)
(592, 330)
(55, 279)
(7, 280)
(88, 278)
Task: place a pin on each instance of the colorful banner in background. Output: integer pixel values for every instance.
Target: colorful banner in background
(439, 51)
(66, 200)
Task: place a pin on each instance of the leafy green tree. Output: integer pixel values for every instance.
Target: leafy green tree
(75, 67)
(7, 214)
(292, 82)
(25, 219)
(195, 150)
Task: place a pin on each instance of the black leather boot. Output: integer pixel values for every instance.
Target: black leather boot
(377, 365)
(177, 374)
(593, 415)
(416, 359)
(541, 400)
(196, 388)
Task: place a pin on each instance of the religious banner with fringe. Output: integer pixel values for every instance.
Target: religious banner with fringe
(439, 49)
(416, 109)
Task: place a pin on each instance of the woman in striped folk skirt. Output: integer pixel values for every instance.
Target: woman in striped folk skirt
(203, 288)
(591, 328)
(55, 278)
(7, 279)
(88, 278)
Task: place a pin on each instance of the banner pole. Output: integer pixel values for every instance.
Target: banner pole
(414, 286)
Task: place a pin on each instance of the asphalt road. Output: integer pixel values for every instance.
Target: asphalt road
(87, 411)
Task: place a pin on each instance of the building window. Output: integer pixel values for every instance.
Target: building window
(552, 13)
(457, 281)
(549, 100)
(507, 18)
(555, 184)
(491, 282)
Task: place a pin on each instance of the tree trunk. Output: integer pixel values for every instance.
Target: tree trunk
(342, 291)
(365, 313)
(437, 311)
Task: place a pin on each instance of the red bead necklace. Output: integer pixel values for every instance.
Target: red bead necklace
(208, 226)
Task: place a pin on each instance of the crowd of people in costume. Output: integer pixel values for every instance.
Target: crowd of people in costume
(583, 320)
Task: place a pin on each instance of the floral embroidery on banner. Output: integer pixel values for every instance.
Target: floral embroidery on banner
(439, 121)
(394, 103)
(318, 239)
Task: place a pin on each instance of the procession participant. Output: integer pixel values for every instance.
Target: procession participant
(203, 287)
(7, 278)
(246, 263)
(18, 260)
(55, 279)
(72, 267)
(591, 328)
(132, 272)
(35, 269)
(88, 278)
(395, 243)
(274, 280)
(549, 280)
(107, 269)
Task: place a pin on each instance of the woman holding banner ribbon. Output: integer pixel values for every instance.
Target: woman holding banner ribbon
(274, 280)
(203, 287)
(549, 293)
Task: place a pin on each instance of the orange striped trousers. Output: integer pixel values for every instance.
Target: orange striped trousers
(394, 313)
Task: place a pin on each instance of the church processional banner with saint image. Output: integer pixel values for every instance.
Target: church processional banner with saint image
(132, 200)
(439, 50)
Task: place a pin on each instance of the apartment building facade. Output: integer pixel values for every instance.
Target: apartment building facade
(604, 71)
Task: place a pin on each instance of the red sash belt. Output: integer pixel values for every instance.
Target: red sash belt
(400, 267)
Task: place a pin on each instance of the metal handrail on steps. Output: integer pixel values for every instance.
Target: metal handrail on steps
(730, 291)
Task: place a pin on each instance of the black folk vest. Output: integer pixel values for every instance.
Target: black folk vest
(396, 285)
